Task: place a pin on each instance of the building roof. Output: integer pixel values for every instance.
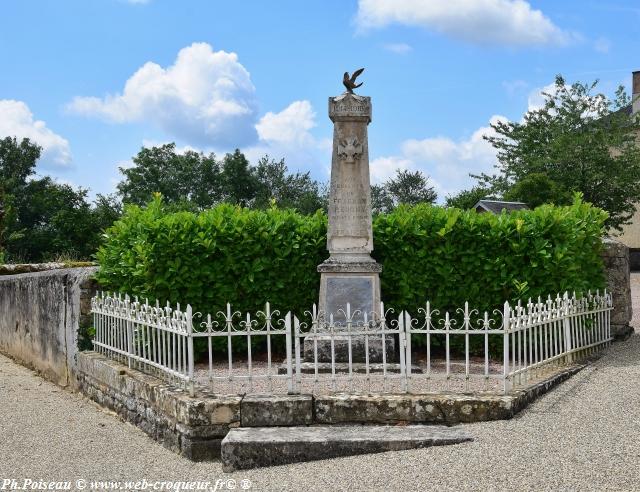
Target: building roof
(628, 110)
(497, 206)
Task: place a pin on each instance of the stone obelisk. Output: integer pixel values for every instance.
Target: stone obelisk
(350, 275)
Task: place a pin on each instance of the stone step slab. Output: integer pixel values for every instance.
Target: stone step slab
(244, 448)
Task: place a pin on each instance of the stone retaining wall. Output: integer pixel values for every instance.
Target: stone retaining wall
(40, 316)
(194, 426)
(618, 273)
(191, 426)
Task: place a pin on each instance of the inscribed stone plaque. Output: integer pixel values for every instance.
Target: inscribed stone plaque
(357, 291)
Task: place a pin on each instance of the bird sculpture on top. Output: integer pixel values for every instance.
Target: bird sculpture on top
(350, 82)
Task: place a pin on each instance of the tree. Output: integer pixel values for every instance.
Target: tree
(239, 184)
(17, 162)
(537, 189)
(195, 181)
(189, 177)
(381, 201)
(3, 215)
(409, 188)
(53, 219)
(276, 186)
(106, 210)
(466, 199)
(40, 218)
(582, 142)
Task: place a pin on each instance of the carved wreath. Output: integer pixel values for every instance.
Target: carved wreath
(349, 149)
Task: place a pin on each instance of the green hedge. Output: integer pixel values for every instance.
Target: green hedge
(226, 254)
(448, 256)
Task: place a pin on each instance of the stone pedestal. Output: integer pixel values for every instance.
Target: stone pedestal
(357, 284)
(350, 276)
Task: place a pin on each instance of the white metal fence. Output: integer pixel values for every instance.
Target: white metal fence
(459, 351)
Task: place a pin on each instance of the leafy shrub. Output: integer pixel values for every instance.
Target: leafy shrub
(448, 256)
(225, 254)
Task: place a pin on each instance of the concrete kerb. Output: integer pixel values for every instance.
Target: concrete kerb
(194, 426)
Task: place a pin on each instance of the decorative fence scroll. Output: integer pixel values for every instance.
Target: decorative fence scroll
(384, 351)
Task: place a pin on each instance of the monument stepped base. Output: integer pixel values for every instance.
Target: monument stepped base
(359, 348)
(343, 367)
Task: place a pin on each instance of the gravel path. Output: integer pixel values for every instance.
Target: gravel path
(584, 435)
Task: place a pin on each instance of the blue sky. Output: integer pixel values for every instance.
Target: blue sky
(93, 81)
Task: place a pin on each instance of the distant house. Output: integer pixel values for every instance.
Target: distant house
(497, 206)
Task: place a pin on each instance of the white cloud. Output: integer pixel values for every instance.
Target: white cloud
(206, 98)
(383, 168)
(16, 120)
(287, 134)
(398, 48)
(446, 161)
(508, 22)
(290, 126)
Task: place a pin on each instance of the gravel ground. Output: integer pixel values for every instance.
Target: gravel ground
(584, 435)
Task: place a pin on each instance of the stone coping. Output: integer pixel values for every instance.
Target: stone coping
(18, 268)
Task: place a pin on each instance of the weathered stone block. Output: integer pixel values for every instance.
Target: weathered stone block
(430, 408)
(214, 410)
(347, 408)
(164, 399)
(276, 410)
